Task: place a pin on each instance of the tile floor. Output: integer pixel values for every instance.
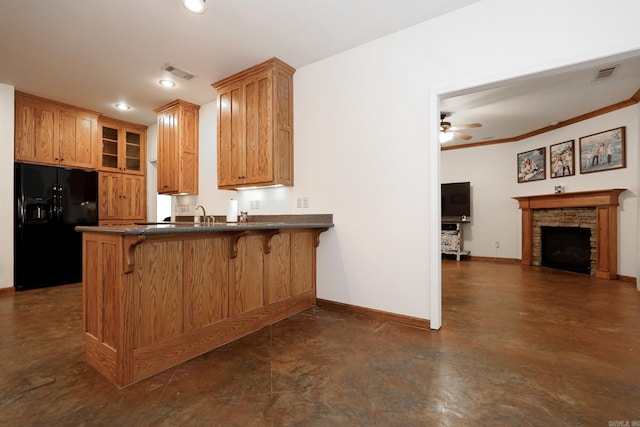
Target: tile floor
(519, 346)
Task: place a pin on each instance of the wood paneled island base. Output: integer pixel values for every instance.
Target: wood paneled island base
(152, 301)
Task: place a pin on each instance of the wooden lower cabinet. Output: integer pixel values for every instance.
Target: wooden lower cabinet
(152, 302)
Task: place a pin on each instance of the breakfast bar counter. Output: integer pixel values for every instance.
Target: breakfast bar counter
(157, 295)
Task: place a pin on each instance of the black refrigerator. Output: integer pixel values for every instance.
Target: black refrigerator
(49, 203)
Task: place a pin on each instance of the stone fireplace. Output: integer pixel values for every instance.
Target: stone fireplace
(595, 210)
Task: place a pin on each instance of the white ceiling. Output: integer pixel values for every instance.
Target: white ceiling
(510, 109)
(96, 53)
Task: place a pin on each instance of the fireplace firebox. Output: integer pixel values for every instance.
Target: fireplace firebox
(605, 227)
(566, 248)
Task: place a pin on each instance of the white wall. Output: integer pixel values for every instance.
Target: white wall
(496, 216)
(364, 140)
(366, 132)
(6, 184)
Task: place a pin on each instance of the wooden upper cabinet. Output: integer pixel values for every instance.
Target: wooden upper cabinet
(36, 133)
(51, 133)
(255, 126)
(122, 146)
(178, 126)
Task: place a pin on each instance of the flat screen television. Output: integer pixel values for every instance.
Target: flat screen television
(456, 200)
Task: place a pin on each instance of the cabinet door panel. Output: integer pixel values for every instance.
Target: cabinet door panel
(78, 133)
(302, 262)
(188, 163)
(167, 152)
(206, 272)
(35, 131)
(133, 153)
(258, 129)
(224, 138)
(159, 289)
(231, 150)
(110, 148)
(132, 196)
(284, 101)
(283, 162)
(247, 275)
(109, 196)
(278, 269)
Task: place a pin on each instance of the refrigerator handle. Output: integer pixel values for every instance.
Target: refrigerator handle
(60, 212)
(54, 192)
(20, 211)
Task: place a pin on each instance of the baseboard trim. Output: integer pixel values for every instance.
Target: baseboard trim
(7, 292)
(493, 259)
(627, 279)
(386, 316)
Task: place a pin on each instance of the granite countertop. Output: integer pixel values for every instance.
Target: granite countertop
(270, 222)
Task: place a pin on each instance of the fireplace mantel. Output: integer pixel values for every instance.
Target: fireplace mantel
(605, 202)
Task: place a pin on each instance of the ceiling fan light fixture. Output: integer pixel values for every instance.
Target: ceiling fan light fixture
(445, 137)
(195, 6)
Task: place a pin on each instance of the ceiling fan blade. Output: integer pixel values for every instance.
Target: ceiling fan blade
(469, 126)
(462, 136)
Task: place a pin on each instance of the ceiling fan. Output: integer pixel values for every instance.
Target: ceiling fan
(449, 131)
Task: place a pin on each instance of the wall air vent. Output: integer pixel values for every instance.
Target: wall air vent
(178, 72)
(605, 73)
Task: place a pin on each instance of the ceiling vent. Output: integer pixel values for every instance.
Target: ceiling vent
(605, 73)
(178, 72)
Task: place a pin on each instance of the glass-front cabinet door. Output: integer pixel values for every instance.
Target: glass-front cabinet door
(122, 146)
(109, 159)
(133, 149)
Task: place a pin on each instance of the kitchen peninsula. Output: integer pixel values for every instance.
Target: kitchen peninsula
(155, 296)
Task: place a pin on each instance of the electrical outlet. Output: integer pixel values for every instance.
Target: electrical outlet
(305, 202)
(257, 202)
(299, 202)
(497, 244)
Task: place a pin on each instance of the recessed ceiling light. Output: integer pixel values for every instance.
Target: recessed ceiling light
(166, 83)
(195, 6)
(123, 107)
(554, 123)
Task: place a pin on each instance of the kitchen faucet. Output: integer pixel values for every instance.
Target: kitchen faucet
(204, 214)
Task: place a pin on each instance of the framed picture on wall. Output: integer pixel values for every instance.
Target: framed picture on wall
(531, 165)
(603, 151)
(561, 159)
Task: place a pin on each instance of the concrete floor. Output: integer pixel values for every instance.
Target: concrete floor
(519, 346)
